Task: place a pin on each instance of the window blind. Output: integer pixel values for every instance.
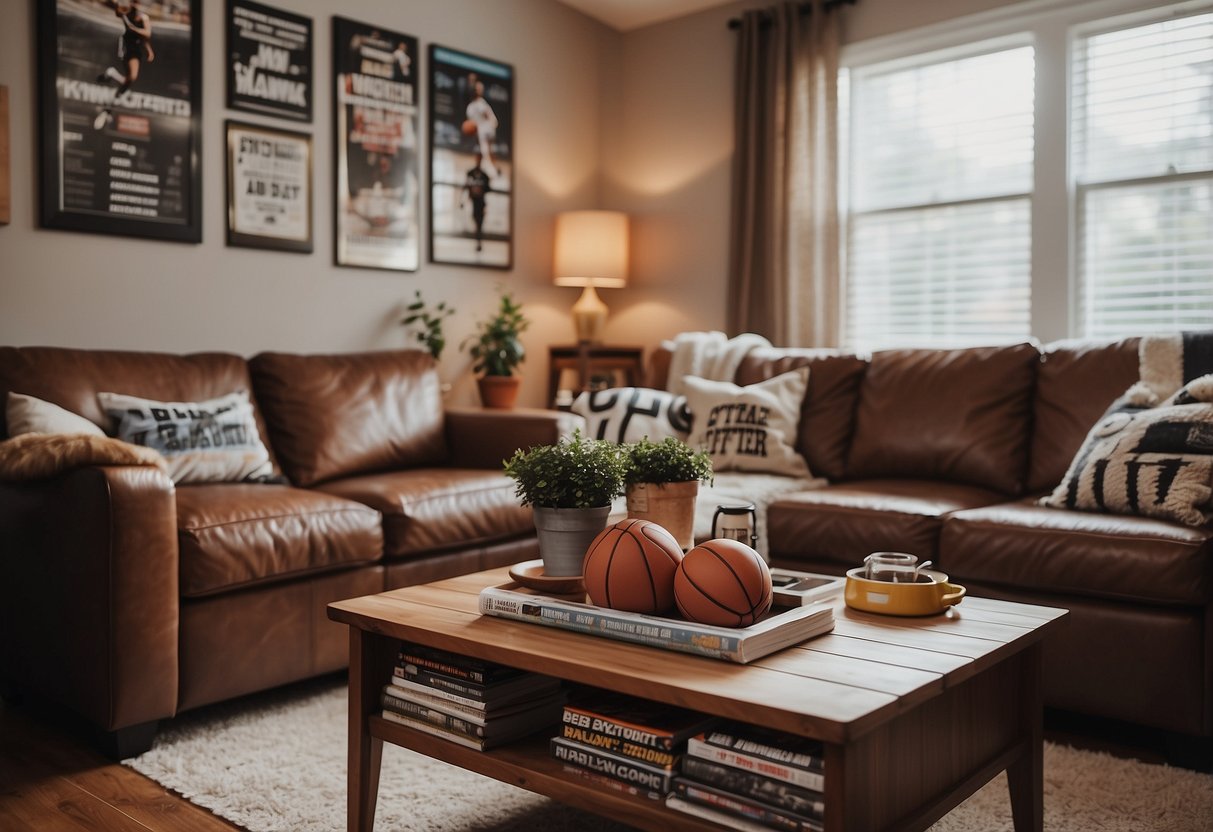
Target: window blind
(939, 239)
(1142, 150)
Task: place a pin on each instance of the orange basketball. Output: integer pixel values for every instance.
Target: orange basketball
(469, 127)
(630, 566)
(723, 582)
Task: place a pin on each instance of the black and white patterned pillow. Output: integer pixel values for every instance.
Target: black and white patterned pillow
(211, 441)
(1155, 462)
(629, 414)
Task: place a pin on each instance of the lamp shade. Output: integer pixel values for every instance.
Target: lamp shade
(591, 249)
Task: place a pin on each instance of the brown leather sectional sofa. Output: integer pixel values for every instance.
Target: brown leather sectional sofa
(127, 600)
(943, 454)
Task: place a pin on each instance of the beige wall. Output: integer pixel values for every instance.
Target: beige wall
(640, 122)
(71, 289)
(667, 146)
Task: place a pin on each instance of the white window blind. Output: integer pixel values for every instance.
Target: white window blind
(1142, 149)
(939, 205)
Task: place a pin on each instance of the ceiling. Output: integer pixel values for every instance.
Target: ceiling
(632, 14)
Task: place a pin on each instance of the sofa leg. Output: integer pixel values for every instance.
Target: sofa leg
(130, 741)
(1187, 751)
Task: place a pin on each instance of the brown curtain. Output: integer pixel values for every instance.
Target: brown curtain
(784, 263)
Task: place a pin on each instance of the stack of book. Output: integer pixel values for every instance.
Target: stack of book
(624, 743)
(751, 778)
(468, 701)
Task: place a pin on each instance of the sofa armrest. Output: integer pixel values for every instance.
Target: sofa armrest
(486, 438)
(89, 593)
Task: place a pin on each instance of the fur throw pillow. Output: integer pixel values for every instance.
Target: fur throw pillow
(36, 456)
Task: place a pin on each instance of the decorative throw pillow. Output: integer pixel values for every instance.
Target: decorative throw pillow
(1155, 462)
(210, 441)
(25, 414)
(749, 428)
(629, 414)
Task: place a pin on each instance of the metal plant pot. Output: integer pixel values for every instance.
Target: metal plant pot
(564, 536)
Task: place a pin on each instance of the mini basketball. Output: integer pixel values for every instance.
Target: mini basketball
(630, 566)
(723, 582)
(469, 127)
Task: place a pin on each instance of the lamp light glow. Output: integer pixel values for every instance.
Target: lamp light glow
(592, 252)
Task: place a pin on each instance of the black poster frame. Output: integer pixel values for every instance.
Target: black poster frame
(51, 157)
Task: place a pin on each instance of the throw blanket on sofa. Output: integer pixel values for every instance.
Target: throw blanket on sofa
(36, 456)
(1152, 452)
(709, 355)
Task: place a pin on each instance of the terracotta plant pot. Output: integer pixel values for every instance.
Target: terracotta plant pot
(498, 392)
(670, 505)
(564, 536)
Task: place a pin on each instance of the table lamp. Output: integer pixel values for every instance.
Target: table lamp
(591, 251)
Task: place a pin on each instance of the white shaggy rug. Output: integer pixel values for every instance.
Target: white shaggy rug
(276, 763)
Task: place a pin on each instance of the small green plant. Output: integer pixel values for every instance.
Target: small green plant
(427, 323)
(670, 460)
(576, 472)
(495, 348)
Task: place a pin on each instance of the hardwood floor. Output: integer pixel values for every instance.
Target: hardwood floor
(51, 780)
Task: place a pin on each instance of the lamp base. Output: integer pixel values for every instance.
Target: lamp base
(589, 316)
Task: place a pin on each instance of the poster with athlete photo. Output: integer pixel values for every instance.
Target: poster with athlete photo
(377, 187)
(269, 61)
(471, 160)
(269, 188)
(120, 107)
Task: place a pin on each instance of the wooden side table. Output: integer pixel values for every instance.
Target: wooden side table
(625, 364)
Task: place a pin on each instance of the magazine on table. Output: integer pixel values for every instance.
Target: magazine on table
(781, 627)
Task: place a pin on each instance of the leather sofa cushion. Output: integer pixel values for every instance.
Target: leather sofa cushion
(845, 523)
(429, 509)
(335, 415)
(827, 414)
(1075, 383)
(236, 535)
(1121, 660)
(242, 642)
(1129, 559)
(956, 415)
(72, 379)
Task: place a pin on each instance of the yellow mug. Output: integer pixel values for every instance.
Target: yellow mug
(920, 598)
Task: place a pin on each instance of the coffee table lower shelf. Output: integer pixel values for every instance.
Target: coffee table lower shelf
(529, 764)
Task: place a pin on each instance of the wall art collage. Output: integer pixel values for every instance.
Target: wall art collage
(120, 121)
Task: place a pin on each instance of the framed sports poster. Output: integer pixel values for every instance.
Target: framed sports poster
(471, 160)
(377, 188)
(269, 188)
(120, 93)
(269, 61)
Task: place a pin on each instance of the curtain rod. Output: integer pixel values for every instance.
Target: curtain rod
(805, 8)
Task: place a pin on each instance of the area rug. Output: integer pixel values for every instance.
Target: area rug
(276, 763)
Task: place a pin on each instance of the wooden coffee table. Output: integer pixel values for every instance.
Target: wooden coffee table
(915, 714)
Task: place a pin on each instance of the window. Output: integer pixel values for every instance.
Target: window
(938, 228)
(1143, 168)
(1043, 172)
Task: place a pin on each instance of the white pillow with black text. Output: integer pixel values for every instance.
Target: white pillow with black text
(211, 441)
(750, 428)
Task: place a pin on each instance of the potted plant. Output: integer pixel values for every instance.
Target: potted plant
(496, 353)
(426, 324)
(570, 486)
(663, 482)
